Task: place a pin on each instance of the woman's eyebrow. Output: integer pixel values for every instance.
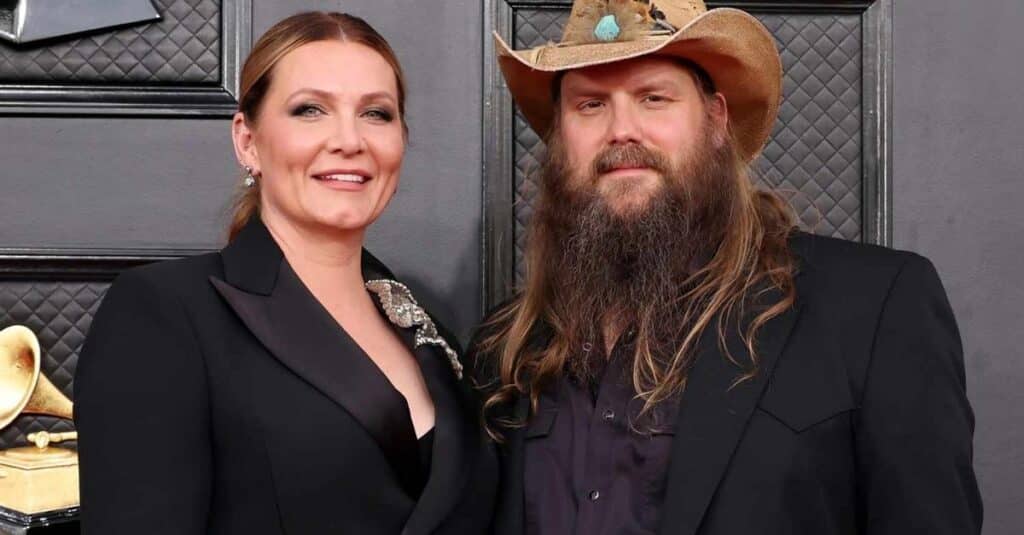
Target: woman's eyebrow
(315, 92)
(327, 95)
(378, 95)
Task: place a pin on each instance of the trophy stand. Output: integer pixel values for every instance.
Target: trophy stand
(38, 482)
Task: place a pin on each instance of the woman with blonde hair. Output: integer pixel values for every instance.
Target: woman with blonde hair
(288, 383)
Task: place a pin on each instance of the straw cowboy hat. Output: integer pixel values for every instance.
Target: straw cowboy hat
(735, 49)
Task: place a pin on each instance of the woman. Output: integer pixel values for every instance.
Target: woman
(286, 384)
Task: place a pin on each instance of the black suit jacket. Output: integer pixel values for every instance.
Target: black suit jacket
(857, 423)
(215, 395)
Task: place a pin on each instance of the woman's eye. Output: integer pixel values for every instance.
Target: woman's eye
(379, 115)
(307, 110)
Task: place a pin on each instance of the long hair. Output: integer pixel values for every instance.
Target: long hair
(277, 42)
(750, 258)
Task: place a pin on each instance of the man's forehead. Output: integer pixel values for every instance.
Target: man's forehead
(639, 71)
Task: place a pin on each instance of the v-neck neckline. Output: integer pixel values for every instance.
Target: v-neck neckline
(332, 323)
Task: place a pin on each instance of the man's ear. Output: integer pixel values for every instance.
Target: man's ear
(718, 111)
(243, 138)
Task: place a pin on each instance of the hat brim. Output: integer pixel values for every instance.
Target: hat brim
(735, 49)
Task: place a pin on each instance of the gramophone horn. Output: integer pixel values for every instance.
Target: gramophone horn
(22, 388)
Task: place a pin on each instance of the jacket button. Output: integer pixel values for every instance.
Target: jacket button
(609, 415)
(595, 495)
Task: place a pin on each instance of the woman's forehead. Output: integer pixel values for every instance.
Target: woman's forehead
(336, 67)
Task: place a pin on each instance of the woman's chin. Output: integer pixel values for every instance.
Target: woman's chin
(343, 223)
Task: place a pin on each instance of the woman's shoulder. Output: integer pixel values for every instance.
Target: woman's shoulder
(179, 277)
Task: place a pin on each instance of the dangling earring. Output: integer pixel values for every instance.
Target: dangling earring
(249, 180)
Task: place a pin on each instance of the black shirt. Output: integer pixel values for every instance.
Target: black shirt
(591, 466)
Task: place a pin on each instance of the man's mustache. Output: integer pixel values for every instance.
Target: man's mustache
(631, 155)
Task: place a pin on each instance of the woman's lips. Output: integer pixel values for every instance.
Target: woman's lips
(343, 181)
(343, 177)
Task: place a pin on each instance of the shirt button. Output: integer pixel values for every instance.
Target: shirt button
(609, 415)
(595, 495)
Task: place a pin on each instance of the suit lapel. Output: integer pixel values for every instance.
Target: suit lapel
(456, 442)
(287, 319)
(712, 418)
(456, 439)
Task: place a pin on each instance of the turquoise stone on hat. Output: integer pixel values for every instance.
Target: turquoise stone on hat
(607, 28)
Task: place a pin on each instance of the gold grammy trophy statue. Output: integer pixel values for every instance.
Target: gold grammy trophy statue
(37, 478)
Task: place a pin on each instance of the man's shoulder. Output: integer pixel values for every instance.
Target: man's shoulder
(825, 251)
(835, 256)
(495, 313)
(481, 352)
(837, 269)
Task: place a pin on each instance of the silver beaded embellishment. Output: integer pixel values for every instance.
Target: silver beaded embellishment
(403, 310)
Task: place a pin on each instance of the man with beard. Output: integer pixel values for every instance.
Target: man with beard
(680, 359)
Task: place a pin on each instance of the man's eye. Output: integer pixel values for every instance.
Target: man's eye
(654, 98)
(591, 105)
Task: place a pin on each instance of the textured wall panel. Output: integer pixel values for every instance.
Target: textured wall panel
(60, 314)
(815, 154)
(184, 47)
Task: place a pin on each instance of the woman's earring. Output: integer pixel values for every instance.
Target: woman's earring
(249, 180)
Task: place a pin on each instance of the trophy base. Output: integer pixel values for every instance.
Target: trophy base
(62, 522)
(36, 481)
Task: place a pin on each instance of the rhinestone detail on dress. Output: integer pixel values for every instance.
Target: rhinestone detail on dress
(403, 310)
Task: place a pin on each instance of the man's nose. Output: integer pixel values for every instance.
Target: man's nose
(624, 127)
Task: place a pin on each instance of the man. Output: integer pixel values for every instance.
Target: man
(680, 360)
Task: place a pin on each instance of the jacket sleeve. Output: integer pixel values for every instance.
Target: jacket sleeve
(915, 426)
(142, 413)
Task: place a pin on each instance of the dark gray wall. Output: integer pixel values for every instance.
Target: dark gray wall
(958, 194)
(139, 183)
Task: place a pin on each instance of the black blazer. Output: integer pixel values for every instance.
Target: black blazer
(858, 422)
(215, 395)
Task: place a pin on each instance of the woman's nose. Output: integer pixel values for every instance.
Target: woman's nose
(347, 138)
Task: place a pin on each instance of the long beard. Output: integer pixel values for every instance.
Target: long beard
(630, 271)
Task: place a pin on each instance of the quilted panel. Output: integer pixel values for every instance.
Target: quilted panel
(814, 157)
(60, 314)
(183, 47)
(532, 27)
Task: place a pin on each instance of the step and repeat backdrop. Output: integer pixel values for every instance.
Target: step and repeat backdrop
(132, 58)
(114, 153)
(829, 153)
